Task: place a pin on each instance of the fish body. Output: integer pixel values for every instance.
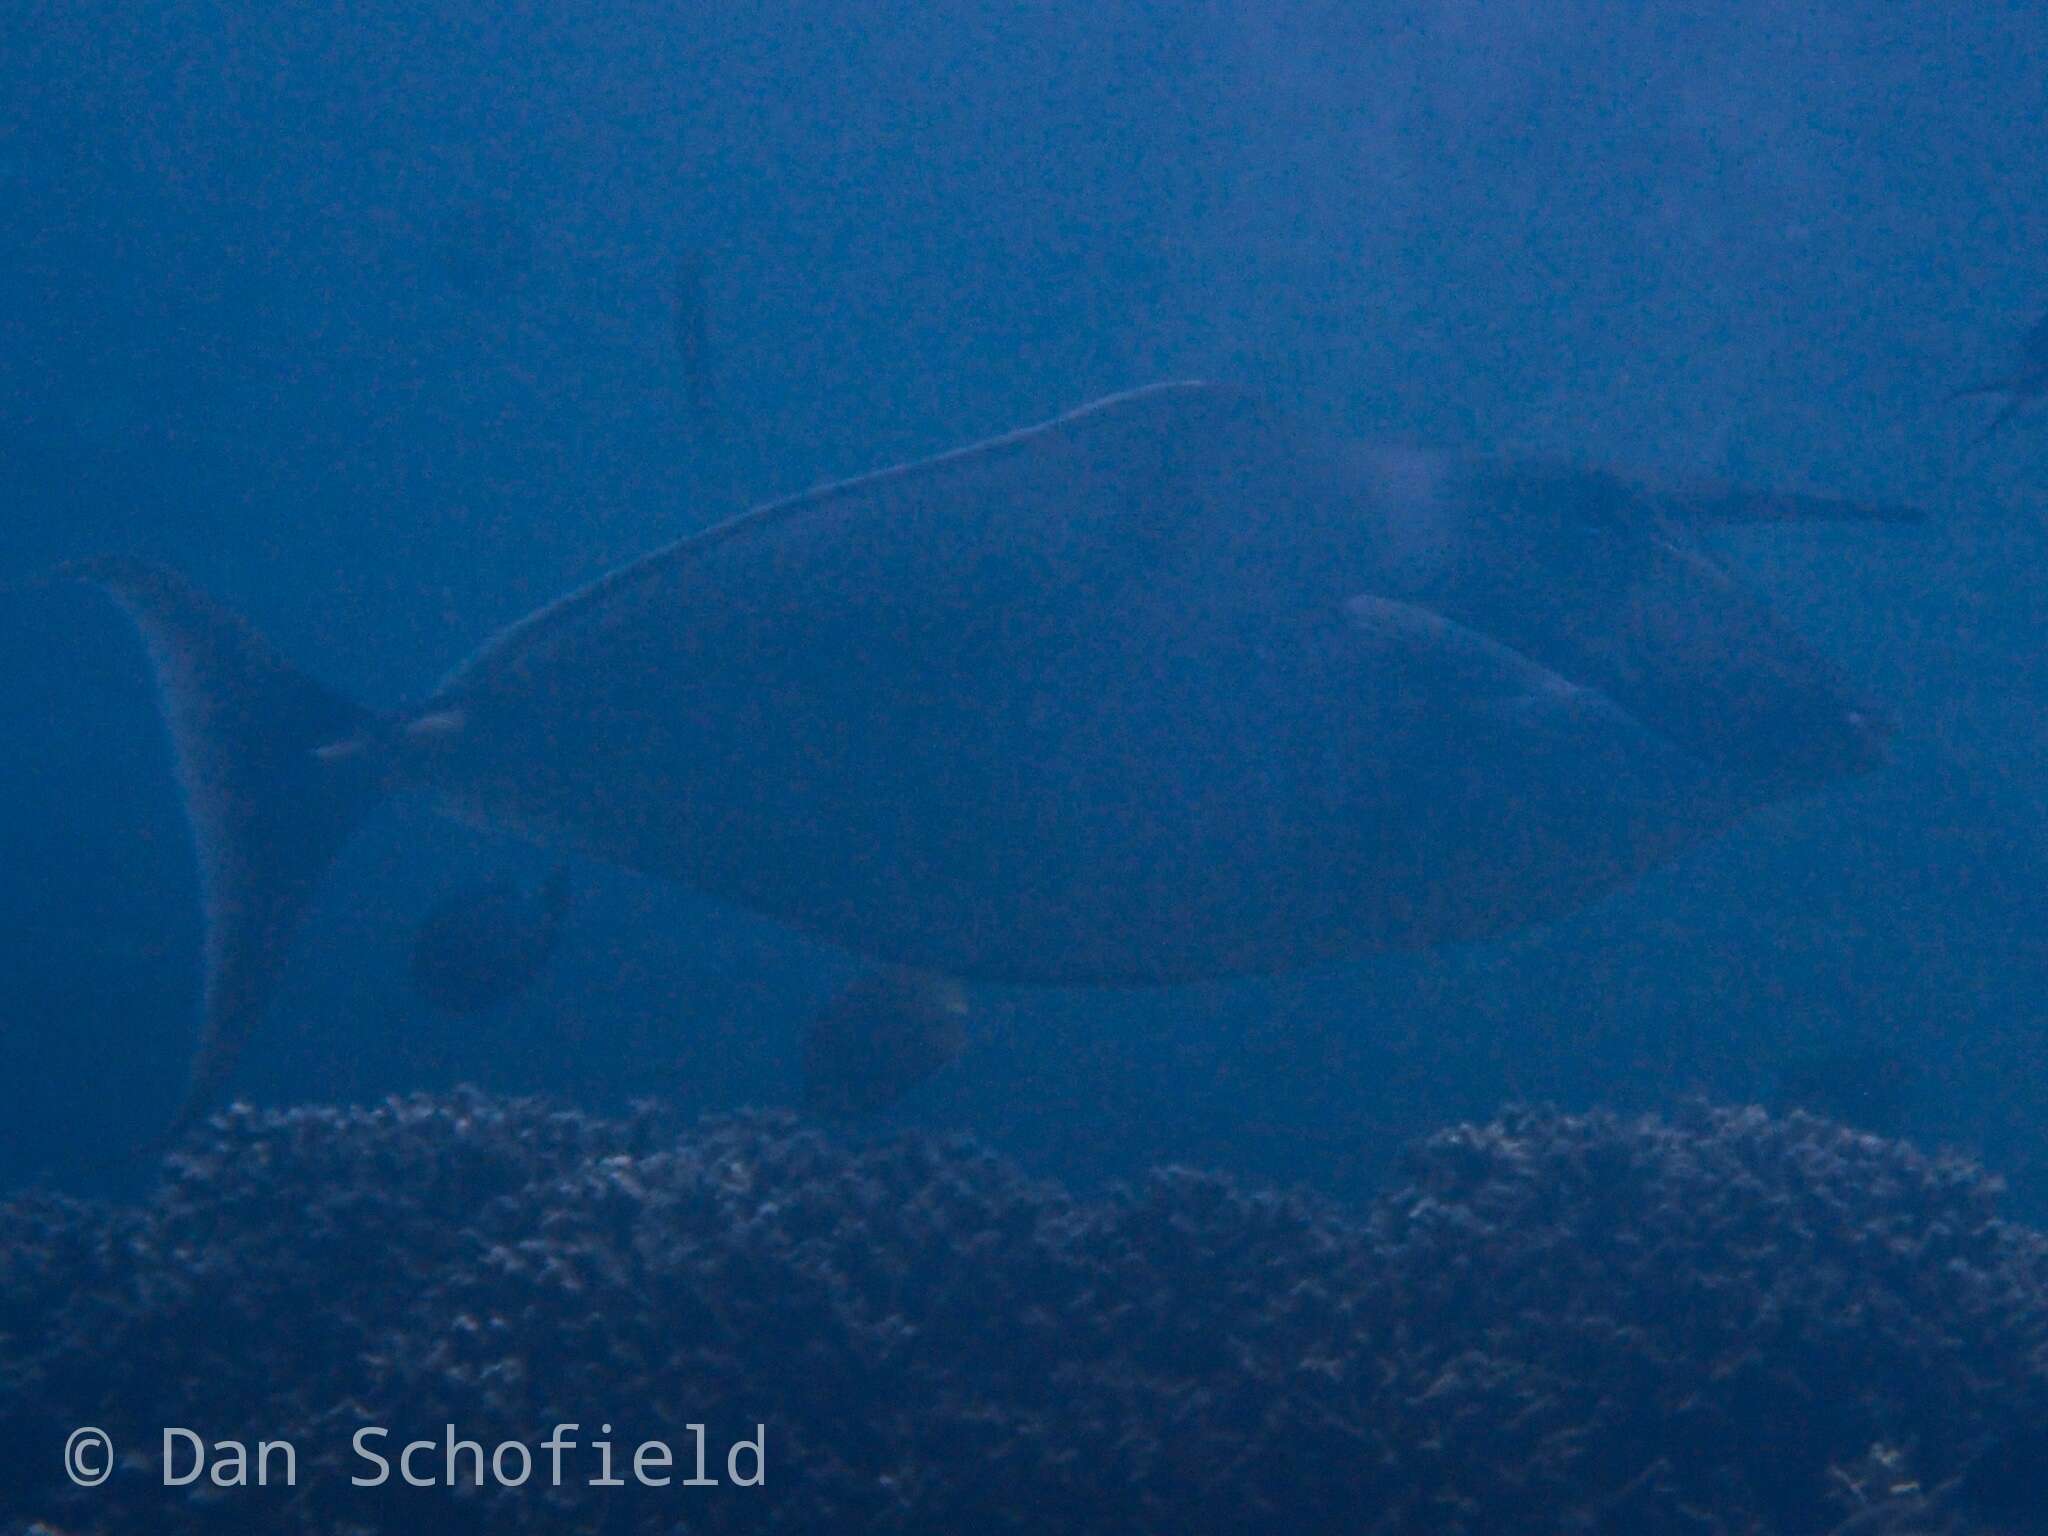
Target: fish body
(1163, 689)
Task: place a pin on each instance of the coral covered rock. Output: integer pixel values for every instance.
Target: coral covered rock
(1727, 1323)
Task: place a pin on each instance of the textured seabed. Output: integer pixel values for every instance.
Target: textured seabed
(1552, 1324)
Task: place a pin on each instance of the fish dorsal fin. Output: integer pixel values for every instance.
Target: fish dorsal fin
(650, 567)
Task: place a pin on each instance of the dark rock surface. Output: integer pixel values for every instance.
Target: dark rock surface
(1723, 1323)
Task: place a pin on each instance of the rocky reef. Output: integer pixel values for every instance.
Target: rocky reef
(1725, 1322)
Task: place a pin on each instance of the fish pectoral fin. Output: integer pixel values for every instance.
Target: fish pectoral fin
(1442, 700)
(1424, 664)
(886, 1032)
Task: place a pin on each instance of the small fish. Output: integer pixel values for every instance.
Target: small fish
(693, 332)
(486, 943)
(710, 430)
(887, 1032)
(2022, 387)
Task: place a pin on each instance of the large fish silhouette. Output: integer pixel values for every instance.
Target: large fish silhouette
(1163, 689)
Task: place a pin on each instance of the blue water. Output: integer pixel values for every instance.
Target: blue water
(365, 319)
(362, 319)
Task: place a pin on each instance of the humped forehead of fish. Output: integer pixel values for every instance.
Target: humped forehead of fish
(1416, 515)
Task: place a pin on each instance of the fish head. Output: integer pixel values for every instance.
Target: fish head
(1567, 571)
(1777, 718)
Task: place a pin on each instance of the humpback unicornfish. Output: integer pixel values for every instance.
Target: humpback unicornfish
(1165, 688)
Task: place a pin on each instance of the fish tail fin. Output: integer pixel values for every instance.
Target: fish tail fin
(276, 773)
